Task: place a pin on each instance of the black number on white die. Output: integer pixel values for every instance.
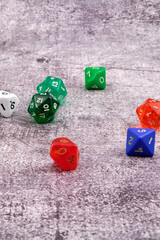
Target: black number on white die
(3, 107)
(5, 93)
(12, 105)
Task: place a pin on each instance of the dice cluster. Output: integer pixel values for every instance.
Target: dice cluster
(65, 153)
(45, 103)
(141, 141)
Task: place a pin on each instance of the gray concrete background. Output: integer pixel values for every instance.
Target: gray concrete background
(110, 196)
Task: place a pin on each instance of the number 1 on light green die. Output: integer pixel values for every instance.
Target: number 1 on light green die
(95, 78)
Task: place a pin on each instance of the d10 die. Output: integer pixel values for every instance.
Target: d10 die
(140, 142)
(43, 107)
(95, 78)
(54, 86)
(8, 103)
(149, 113)
(65, 153)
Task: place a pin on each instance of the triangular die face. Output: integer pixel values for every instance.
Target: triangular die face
(41, 87)
(140, 112)
(150, 119)
(55, 105)
(39, 100)
(44, 86)
(151, 111)
(47, 104)
(42, 118)
(54, 83)
(132, 139)
(155, 107)
(149, 140)
(31, 106)
(145, 102)
(155, 113)
(32, 109)
(63, 88)
(152, 105)
(141, 109)
(142, 132)
(151, 100)
(140, 149)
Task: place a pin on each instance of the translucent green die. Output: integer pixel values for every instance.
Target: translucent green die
(43, 107)
(95, 78)
(54, 86)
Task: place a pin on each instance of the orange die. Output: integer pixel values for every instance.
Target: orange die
(149, 113)
(65, 153)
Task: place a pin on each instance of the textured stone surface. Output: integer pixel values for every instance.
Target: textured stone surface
(110, 196)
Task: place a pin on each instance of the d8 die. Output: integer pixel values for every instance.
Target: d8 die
(140, 142)
(65, 153)
(43, 107)
(54, 86)
(95, 78)
(149, 113)
(8, 103)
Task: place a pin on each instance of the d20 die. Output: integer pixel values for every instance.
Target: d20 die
(149, 113)
(8, 103)
(95, 78)
(140, 142)
(65, 153)
(43, 107)
(54, 86)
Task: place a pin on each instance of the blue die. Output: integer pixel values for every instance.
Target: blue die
(140, 142)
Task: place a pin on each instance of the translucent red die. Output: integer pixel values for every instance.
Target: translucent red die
(149, 113)
(65, 153)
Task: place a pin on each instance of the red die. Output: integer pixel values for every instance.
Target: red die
(149, 113)
(65, 153)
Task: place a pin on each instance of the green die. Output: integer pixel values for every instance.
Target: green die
(95, 78)
(43, 107)
(54, 86)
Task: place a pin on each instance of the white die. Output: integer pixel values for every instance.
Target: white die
(8, 103)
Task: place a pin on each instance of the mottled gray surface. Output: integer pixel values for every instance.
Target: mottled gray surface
(110, 196)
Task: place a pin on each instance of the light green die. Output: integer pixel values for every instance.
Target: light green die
(95, 78)
(54, 86)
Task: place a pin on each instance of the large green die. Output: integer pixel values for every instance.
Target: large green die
(95, 78)
(54, 86)
(43, 107)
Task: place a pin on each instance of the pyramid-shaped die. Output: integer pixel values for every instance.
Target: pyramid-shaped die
(54, 86)
(140, 142)
(8, 103)
(149, 113)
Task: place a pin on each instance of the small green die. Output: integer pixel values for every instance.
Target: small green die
(95, 78)
(54, 86)
(43, 107)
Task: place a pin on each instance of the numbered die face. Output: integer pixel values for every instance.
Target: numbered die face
(43, 107)
(65, 153)
(149, 114)
(140, 142)
(8, 103)
(54, 86)
(95, 78)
